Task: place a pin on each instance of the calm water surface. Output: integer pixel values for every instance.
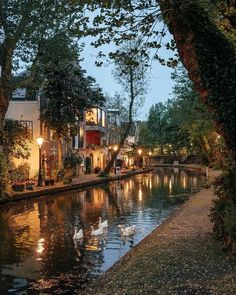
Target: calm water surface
(37, 252)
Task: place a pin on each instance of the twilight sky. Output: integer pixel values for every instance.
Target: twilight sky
(160, 82)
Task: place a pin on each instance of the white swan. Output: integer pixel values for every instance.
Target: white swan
(78, 234)
(102, 223)
(97, 232)
(127, 231)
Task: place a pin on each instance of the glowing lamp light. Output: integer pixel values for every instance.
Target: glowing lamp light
(115, 148)
(39, 141)
(40, 175)
(150, 153)
(139, 151)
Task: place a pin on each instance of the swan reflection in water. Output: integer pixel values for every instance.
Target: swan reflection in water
(127, 239)
(78, 245)
(92, 243)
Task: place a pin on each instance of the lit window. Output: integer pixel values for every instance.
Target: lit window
(92, 116)
(51, 134)
(29, 127)
(103, 119)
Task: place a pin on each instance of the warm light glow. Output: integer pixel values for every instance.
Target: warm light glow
(166, 180)
(140, 193)
(115, 148)
(39, 141)
(98, 197)
(40, 247)
(170, 186)
(139, 151)
(92, 116)
(150, 153)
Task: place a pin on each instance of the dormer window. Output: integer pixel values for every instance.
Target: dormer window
(96, 116)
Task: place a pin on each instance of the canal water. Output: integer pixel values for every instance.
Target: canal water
(37, 251)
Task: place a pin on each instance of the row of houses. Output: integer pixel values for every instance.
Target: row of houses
(99, 132)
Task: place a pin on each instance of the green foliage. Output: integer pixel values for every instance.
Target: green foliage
(103, 174)
(223, 213)
(15, 140)
(30, 23)
(189, 120)
(72, 160)
(140, 20)
(118, 101)
(204, 32)
(218, 73)
(97, 169)
(157, 124)
(24, 25)
(67, 90)
(20, 173)
(181, 122)
(3, 175)
(130, 71)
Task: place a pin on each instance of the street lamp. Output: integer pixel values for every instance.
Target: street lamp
(40, 176)
(115, 148)
(139, 152)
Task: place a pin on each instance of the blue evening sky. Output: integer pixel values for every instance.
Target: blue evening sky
(160, 83)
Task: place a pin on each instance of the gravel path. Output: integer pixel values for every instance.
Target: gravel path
(179, 257)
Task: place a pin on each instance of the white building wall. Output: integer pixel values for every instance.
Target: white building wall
(27, 111)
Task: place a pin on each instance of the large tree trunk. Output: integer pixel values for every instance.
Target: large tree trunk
(120, 145)
(126, 133)
(210, 59)
(5, 80)
(4, 102)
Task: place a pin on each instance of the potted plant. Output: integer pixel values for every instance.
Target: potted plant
(47, 182)
(51, 181)
(29, 184)
(97, 169)
(88, 165)
(18, 186)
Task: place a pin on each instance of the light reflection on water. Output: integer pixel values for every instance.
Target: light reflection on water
(37, 251)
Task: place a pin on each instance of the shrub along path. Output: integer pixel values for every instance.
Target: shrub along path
(179, 257)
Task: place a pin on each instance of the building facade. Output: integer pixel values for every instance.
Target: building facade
(99, 131)
(25, 107)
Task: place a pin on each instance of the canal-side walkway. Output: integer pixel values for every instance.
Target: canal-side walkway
(179, 257)
(80, 182)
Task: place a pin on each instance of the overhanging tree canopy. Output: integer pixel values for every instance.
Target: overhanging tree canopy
(204, 47)
(23, 26)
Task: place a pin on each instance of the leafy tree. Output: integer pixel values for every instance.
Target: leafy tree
(204, 35)
(192, 124)
(15, 140)
(157, 123)
(118, 102)
(4, 182)
(130, 73)
(144, 136)
(199, 47)
(181, 122)
(23, 27)
(67, 91)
